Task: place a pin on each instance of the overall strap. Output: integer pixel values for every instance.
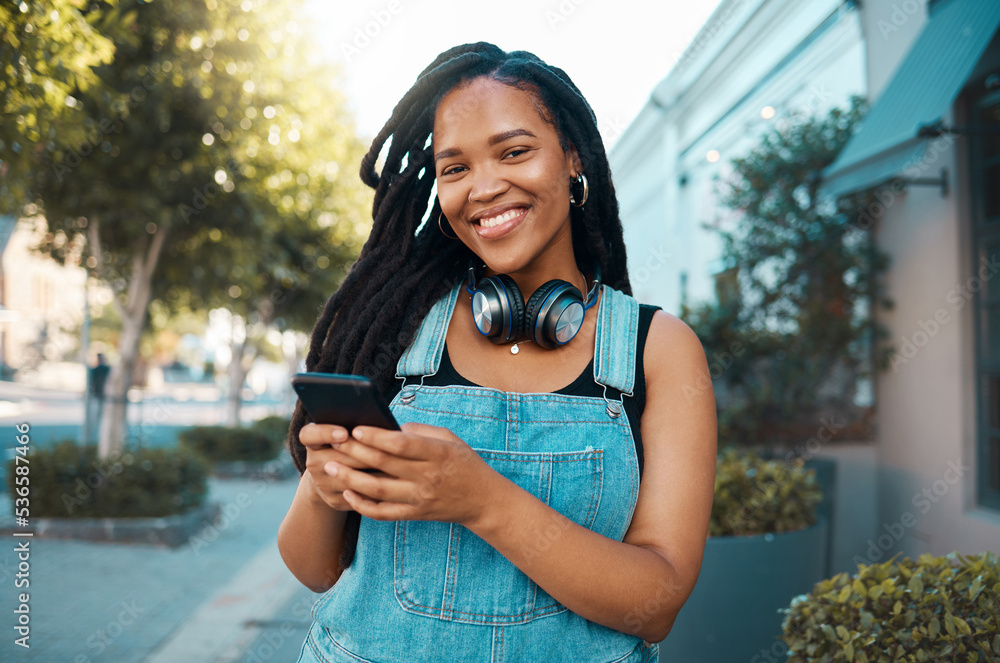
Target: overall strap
(615, 346)
(423, 356)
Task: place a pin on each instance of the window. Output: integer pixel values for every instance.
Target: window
(984, 144)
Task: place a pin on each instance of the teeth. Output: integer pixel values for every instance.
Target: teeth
(494, 221)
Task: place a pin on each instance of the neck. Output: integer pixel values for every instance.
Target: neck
(532, 277)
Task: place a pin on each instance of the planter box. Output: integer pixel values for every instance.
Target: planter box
(826, 477)
(732, 614)
(170, 531)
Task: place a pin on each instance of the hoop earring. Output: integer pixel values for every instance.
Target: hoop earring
(580, 178)
(442, 229)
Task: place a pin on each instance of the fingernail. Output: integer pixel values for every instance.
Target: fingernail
(357, 434)
(331, 468)
(339, 434)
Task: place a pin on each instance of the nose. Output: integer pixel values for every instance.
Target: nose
(486, 185)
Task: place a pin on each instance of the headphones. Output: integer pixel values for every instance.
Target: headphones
(552, 317)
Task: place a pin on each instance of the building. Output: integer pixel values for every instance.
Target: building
(932, 473)
(44, 303)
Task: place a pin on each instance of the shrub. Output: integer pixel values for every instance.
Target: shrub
(275, 427)
(69, 481)
(756, 496)
(934, 609)
(221, 444)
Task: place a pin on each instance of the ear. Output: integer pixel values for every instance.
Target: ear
(573, 162)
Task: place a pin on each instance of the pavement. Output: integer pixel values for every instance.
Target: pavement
(225, 596)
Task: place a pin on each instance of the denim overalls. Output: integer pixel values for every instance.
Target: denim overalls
(434, 591)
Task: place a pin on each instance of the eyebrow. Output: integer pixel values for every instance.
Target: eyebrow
(493, 140)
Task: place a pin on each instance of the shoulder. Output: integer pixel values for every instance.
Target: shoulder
(673, 352)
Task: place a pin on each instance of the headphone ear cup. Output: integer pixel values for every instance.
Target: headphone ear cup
(498, 308)
(544, 309)
(514, 327)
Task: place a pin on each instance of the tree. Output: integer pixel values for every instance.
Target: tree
(193, 151)
(48, 50)
(804, 286)
(309, 219)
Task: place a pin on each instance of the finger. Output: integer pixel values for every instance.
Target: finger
(426, 430)
(370, 456)
(317, 436)
(378, 488)
(376, 510)
(338, 455)
(397, 443)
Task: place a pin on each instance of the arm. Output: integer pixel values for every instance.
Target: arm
(311, 536)
(638, 585)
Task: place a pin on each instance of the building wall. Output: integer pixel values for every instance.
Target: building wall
(926, 400)
(42, 295)
(712, 100)
(914, 490)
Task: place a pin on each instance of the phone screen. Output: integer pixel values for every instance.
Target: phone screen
(344, 400)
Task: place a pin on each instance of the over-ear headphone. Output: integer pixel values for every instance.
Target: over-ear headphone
(552, 317)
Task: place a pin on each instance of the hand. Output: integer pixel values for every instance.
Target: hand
(317, 439)
(429, 474)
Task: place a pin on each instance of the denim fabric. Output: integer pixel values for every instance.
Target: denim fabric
(435, 591)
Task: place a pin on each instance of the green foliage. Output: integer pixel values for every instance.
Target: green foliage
(222, 444)
(47, 51)
(940, 609)
(216, 160)
(756, 496)
(794, 325)
(68, 481)
(274, 427)
(211, 168)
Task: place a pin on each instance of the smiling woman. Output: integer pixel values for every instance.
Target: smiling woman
(548, 502)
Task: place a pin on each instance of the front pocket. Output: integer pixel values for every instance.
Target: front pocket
(444, 570)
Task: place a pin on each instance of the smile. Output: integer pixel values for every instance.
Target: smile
(494, 227)
(494, 221)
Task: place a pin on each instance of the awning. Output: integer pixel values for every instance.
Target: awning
(921, 91)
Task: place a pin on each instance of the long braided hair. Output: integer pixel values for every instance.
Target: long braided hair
(406, 265)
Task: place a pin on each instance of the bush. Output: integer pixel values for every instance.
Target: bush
(756, 496)
(935, 609)
(69, 481)
(274, 427)
(222, 444)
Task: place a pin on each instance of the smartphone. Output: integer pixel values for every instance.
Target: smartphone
(344, 400)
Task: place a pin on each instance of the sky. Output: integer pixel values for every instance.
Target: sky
(615, 51)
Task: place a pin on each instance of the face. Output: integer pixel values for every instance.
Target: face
(502, 176)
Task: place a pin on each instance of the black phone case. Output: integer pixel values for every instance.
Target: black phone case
(344, 400)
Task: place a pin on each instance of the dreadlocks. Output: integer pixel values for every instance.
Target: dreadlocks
(405, 266)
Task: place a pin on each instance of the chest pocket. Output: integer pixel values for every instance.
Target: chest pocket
(446, 571)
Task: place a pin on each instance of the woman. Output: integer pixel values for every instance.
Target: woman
(507, 520)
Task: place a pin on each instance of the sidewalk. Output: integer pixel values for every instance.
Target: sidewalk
(225, 596)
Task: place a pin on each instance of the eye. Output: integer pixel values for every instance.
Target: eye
(451, 170)
(517, 151)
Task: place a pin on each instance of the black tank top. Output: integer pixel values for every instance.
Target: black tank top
(583, 385)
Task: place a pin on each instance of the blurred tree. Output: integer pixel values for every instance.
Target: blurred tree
(794, 328)
(47, 51)
(200, 164)
(308, 212)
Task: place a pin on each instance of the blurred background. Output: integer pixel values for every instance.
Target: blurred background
(813, 186)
